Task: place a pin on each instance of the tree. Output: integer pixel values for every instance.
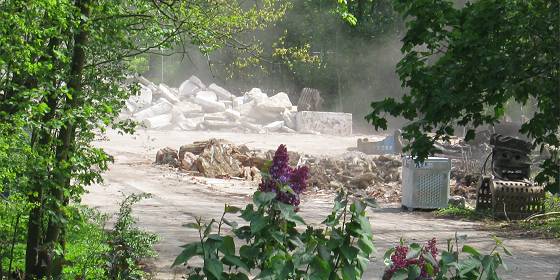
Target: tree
(462, 66)
(64, 66)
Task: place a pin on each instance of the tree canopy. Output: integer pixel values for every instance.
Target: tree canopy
(462, 65)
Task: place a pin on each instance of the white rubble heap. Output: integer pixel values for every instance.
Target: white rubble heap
(193, 106)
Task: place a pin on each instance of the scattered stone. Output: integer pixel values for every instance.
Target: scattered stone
(208, 103)
(161, 107)
(220, 116)
(187, 161)
(190, 123)
(188, 89)
(287, 129)
(167, 156)
(457, 201)
(158, 121)
(210, 124)
(222, 93)
(217, 160)
(233, 114)
(167, 93)
(274, 126)
(324, 122)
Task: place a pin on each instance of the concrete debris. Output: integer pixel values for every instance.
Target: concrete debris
(373, 176)
(233, 114)
(324, 122)
(274, 126)
(222, 93)
(209, 103)
(167, 156)
(187, 161)
(168, 93)
(160, 121)
(161, 107)
(193, 106)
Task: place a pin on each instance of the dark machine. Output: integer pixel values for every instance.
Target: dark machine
(509, 192)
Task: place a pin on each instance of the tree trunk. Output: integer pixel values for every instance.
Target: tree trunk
(66, 137)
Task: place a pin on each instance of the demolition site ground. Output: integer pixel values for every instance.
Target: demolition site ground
(179, 197)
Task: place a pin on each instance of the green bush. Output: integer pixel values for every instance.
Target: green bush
(274, 248)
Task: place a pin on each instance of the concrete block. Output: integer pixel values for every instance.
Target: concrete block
(233, 114)
(211, 124)
(168, 94)
(208, 95)
(209, 105)
(324, 122)
(190, 123)
(274, 126)
(190, 87)
(222, 93)
(159, 121)
(220, 116)
(254, 94)
(161, 107)
(287, 130)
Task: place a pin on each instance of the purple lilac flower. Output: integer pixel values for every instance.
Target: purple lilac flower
(281, 175)
(400, 261)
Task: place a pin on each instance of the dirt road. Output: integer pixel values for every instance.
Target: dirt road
(178, 199)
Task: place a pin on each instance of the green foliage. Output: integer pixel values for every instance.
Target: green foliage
(462, 212)
(463, 65)
(274, 248)
(454, 263)
(64, 69)
(128, 244)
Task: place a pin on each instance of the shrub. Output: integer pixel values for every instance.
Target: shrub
(415, 261)
(129, 245)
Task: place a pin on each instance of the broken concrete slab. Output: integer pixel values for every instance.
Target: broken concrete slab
(233, 114)
(222, 93)
(190, 87)
(188, 108)
(289, 118)
(159, 121)
(274, 126)
(208, 95)
(276, 104)
(168, 93)
(216, 124)
(167, 156)
(324, 122)
(143, 99)
(287, 129)
(254, 94)
(209, 105)
(190, 123)
(161, 107)
(220, 116)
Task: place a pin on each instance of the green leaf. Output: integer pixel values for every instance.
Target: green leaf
(366, 245)
(228, 246)
(468, 265)
(471, 251)
(414, 252)
(413, 272)
(232, 224)
(209, 228)
(263, 198)
(214, 267)
(231, 209)
(235, 261)
(289, 214)
(189, 251)
(401, 274)
(258, 223)
(349, 273)
(248, 252)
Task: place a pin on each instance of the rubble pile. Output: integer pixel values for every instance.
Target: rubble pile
(372, 176)
(195, 106)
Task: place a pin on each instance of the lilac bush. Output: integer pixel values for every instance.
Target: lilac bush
(287, 182)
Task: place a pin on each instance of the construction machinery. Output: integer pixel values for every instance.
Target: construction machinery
(508, 192)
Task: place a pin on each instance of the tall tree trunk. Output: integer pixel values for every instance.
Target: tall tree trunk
(40, 139)
(66, 137)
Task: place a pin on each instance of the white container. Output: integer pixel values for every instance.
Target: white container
(425, 185)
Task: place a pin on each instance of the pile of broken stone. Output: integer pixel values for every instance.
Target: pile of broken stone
(195, 106)
(364, 175)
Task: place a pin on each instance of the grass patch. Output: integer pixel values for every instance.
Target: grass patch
(462, 213)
